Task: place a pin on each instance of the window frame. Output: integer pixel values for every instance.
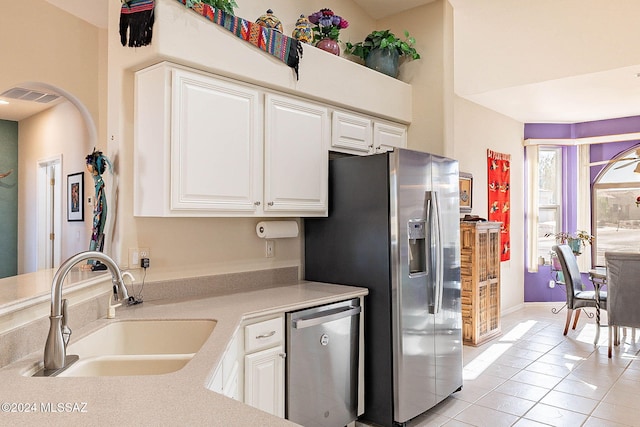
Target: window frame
(559, 191)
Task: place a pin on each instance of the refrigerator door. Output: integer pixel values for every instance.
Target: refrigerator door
(427, 324)
(412, 285)
(448, 319)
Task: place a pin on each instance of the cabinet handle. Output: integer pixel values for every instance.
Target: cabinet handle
(283, 355)
(267, 335)
(270, 203)
(257, 203)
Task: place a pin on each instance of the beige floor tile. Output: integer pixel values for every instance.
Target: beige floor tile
(617, 413)
(625, 393)
(429, 419)
(558, 417)
(523, 422)
(580, 404)
(513, 361)
(456, 423)
(568, 361)
(582, 388)
(525, 391)
(549, 369)
(506, 403)
(481, 416)
(524, 353)
(483, 379)
(599, 422)
(535, 378)
(501, 371)
(471, 392)
(450, 407)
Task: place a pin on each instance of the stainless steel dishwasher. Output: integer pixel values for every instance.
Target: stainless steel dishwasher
(322, 364)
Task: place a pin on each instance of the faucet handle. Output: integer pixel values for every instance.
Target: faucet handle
(66, 330)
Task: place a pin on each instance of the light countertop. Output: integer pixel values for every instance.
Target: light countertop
(178, 398)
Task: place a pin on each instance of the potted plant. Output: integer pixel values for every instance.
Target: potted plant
(382, 50)
(575, 241)
(326, 30)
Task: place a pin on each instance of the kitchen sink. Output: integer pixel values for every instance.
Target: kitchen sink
(136, 337)
(137, 347)
(107, 366)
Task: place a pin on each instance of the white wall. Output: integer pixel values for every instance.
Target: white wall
(477, 129)
(60, 130)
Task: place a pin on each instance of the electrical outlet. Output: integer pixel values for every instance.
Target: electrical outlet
(552, 283)
(270, 249)
(136, 254)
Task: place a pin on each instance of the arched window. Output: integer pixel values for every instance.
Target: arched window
(616, 213)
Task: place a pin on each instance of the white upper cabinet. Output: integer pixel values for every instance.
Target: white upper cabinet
(351, 133)
(206, 146)
(361, 135)
(297, 135)
(216, 145)
(387, 136)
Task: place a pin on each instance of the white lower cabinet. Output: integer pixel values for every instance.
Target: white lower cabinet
(264, 365)
(264, 380)
(252, 367)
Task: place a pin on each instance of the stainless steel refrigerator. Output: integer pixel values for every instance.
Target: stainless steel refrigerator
(393, 227)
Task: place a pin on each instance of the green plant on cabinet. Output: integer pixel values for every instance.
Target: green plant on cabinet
(381, 50)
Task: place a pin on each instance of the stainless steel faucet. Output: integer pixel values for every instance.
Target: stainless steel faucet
(56, 347)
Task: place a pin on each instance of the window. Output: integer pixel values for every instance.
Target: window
(616, 215)
(549, 197)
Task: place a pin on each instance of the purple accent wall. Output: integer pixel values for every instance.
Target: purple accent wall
(536, 288)
(605, 152)
(582, 130)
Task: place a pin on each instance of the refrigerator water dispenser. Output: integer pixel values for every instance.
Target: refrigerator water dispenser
(416, 231)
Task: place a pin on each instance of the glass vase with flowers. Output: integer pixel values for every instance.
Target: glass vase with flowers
(326, 30)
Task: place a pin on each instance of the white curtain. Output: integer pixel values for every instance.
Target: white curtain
(531, 156)
(583, 218)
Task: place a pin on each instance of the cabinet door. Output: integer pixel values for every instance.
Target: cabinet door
(264, 380)
(297, 135)
(351, 133)
(216, 145)
(387, 136)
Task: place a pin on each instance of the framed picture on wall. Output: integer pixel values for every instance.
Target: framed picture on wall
(75, 196)
(466, 192)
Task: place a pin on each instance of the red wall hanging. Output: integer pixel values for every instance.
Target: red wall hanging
(499, 182)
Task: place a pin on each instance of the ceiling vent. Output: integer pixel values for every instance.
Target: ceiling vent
(29, 95)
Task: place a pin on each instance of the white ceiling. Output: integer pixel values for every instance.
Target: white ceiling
(603, 95)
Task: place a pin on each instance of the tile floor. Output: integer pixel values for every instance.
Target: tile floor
(532, 375)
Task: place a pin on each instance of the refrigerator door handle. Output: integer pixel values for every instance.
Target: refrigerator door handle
(325, 316)
(436, 250)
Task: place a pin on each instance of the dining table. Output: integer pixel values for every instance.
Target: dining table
(598, 277)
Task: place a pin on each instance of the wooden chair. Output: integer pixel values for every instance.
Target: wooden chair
(623, 286)
(577, 297)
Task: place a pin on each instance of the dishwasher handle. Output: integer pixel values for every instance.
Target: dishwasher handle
(325, 316)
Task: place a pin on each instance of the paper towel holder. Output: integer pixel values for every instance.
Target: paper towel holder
(277, 229)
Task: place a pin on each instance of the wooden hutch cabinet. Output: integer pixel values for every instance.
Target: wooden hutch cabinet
(480, 276)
